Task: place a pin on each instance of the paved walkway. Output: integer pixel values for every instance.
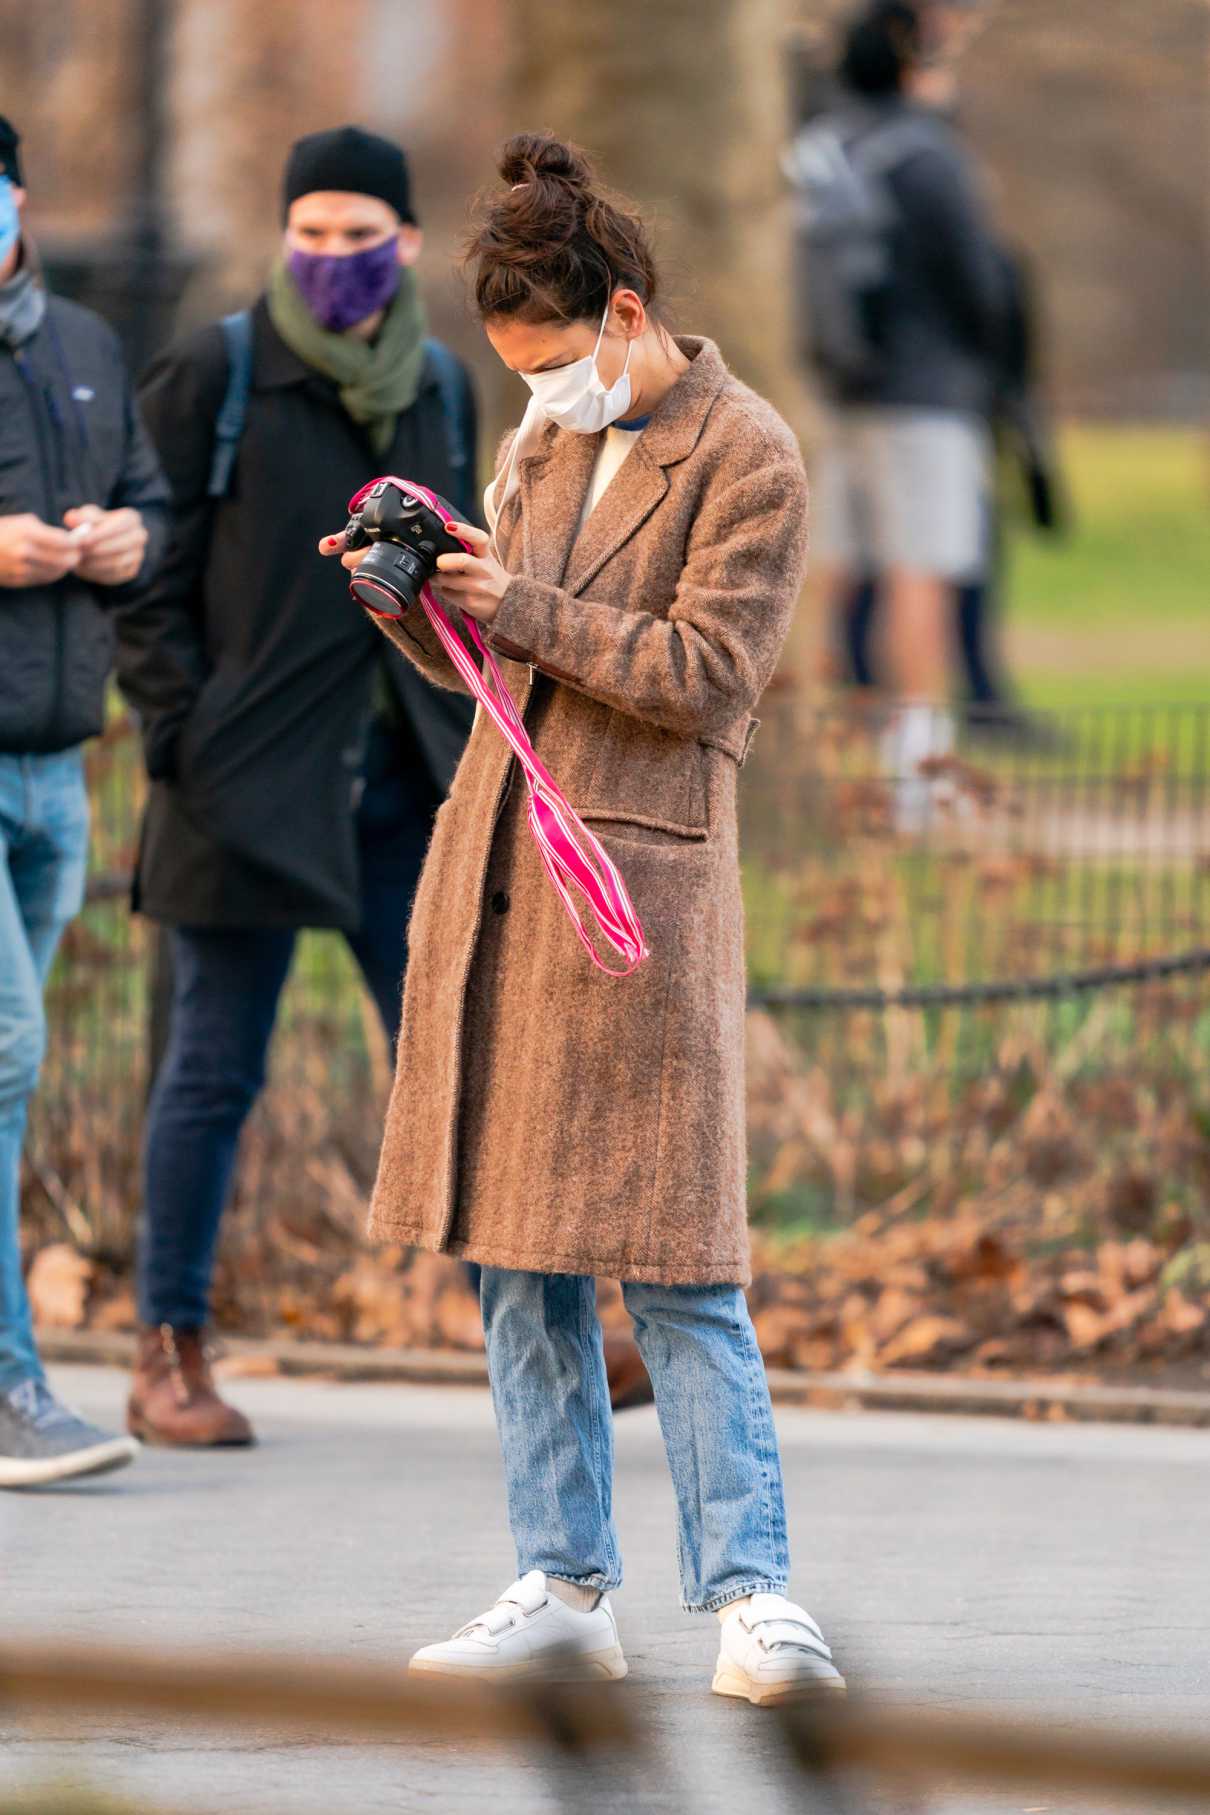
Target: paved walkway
(1057, 1570)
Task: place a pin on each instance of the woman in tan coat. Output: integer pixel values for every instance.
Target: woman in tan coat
(548, 1121)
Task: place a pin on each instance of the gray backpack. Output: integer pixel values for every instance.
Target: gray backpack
(844, 218)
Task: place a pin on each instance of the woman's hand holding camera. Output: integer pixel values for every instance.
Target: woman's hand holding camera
(475, 583)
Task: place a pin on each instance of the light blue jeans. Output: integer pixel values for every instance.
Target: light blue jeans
(43, 859)
(547, 1366)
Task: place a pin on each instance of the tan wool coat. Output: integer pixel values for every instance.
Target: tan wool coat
(544, 1116)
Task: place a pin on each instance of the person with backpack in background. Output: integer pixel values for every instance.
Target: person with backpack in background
(904, 302)
(1019, 425)
(296, 759)
(83, 517)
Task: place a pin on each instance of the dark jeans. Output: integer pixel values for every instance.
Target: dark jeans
(226, 987)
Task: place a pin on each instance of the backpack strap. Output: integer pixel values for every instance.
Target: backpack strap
(229, 423)
(448, 373)
(233, 414)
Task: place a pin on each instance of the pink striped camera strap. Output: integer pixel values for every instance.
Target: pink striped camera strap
(572, 856)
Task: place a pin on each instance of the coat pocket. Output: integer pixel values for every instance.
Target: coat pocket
(641, 828)
(647, 778)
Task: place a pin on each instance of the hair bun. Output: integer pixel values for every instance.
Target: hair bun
(555, 245)
(530, 155)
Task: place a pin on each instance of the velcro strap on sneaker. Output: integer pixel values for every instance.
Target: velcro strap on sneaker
(497, 1619)
(528, 1593)
(776, 1621)
(525, 1596)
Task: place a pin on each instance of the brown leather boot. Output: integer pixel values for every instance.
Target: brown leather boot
(629, 1381)
(172, 1397)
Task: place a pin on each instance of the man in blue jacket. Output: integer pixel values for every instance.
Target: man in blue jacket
(83, 517)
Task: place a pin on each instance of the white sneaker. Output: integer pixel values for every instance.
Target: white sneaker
(530, 1633)
(771, 1650)
(914, 747)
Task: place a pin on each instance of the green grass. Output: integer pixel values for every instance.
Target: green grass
(1139, 547)
(1053, 689)
(1118, 610)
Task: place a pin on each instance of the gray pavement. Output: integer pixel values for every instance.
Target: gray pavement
(1056, 1570)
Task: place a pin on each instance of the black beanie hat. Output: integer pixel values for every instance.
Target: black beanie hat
(10, 163)
(352, 160)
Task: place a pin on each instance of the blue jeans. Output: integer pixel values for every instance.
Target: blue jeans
(226, 983)
(547, 1366)
(43, 859)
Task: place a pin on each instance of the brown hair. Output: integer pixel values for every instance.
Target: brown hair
(555, 245)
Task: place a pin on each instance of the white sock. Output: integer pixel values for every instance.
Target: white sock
(577, 1595)
(745, 1600)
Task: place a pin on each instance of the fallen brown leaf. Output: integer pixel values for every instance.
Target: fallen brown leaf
(57, 1284)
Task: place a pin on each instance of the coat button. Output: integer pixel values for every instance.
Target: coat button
(500, 902)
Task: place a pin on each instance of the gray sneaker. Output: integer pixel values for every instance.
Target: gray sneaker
(42, 1441)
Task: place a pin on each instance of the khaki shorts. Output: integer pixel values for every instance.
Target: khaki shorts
(902, 488)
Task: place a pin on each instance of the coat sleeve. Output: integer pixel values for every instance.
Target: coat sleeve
(161, 653)
(415, 636)
(708, 661)
(140, 486)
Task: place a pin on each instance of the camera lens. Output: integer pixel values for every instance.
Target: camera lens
(389, 580)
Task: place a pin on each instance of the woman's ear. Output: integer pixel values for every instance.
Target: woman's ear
(410, 244)
(629, 314)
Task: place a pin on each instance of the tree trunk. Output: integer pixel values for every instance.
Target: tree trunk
(684, 106)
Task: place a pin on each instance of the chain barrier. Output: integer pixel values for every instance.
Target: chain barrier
(998, 989)
(914, 995)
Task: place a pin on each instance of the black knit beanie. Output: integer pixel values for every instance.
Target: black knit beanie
(10, 163)
(351, 160)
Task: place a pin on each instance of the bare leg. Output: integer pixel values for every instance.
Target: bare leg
(916, 658)
(917, 647)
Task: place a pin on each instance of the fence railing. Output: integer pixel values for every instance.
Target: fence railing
(1044, 919)
(1080, 845)
(597, 1744)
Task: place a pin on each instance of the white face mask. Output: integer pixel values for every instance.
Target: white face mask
(574, 397)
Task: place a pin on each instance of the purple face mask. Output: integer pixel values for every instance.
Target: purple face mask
(342, 289)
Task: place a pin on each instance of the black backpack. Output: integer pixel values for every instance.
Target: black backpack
(845, 217)
(229, 423)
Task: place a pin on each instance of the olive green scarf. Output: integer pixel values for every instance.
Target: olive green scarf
(377, 380)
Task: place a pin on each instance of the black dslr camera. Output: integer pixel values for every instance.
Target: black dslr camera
(408, 535)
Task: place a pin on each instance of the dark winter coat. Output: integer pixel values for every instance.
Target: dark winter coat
(544, 1116)
(941, 321)
(250, 668)
(69, 435)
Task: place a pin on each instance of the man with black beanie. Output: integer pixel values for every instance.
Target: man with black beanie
(296, 761)
(83, 514)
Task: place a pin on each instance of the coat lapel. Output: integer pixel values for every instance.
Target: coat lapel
(628, 501)
(554, 482)
(642, 481)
